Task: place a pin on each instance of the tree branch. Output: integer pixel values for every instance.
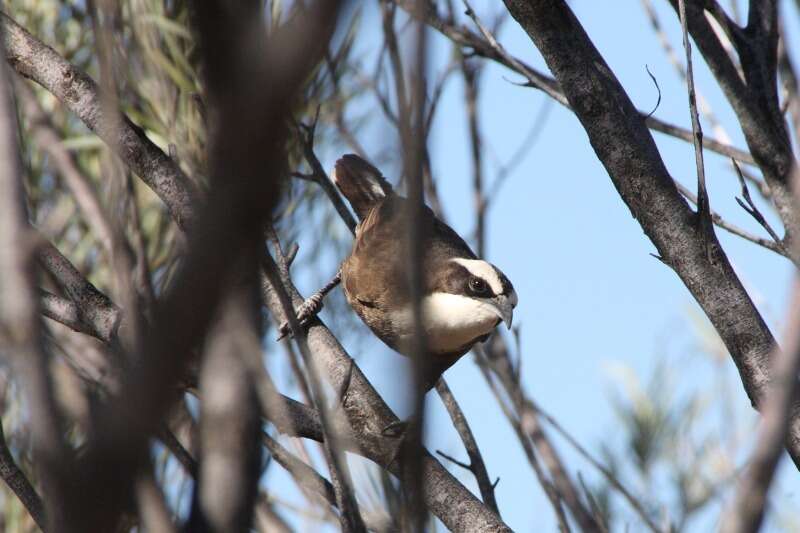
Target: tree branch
(96, 310)
(20, 321)
(80, 94)
(350, 518)
(746, 511)
(703, 206)
(476, 464)
(490, 48)
(17, 481)
(753, 98)
(611, 121)
(243, 152)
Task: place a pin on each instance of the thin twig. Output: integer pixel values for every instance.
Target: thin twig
(338, 105)
(754, 212)
(553, 495)
(472, 79)
(702, 104)
(455, 461)
(476, 463)
(703, 205)
(78, 183)
(598, 515)
(658, 89)
(610, 477)
(769, 244)
(524, 149)
(318, 175)
(489, 48)
(526, 417)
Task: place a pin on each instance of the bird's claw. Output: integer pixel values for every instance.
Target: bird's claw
(307, 310)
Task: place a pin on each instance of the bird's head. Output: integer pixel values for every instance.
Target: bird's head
(466, 299)
(486, 285)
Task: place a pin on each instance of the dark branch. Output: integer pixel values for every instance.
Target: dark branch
(611, 121)
(17, 481)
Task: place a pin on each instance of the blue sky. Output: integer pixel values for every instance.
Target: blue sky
(592, 298)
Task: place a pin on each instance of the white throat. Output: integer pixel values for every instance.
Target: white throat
(451, 321)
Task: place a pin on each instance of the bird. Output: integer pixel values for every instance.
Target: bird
(463, 298)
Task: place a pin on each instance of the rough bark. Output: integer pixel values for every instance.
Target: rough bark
(622, 142)
(753, 98)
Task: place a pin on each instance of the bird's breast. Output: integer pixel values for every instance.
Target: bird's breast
(452, 323)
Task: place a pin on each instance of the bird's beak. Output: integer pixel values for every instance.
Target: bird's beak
(504, 307)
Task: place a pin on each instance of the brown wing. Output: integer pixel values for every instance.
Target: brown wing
(380, 254)
(375, 258)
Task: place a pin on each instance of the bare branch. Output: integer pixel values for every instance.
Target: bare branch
(305, 476)
(319, 177)
(610, 120)
(754, 212)
(350, 518)
(476, 464)
(769, 244)
(753, 94)
(96, 310)
(703, 206)
(64, 311)
(20, 322)
(17, 481)
(746, 511)
(490, 48)
(78, 92)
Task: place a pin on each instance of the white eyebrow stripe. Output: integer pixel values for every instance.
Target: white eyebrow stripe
(483, 270)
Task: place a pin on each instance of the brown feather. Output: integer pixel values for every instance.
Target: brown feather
(375, 274)
(361, 183)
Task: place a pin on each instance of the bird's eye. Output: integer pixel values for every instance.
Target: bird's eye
(477, 285)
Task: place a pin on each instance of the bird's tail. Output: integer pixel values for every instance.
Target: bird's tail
(362, 184)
